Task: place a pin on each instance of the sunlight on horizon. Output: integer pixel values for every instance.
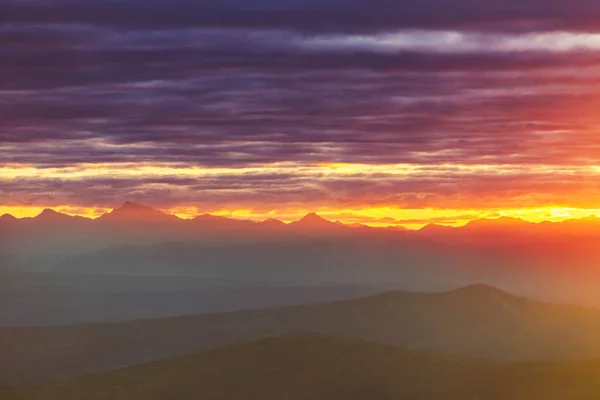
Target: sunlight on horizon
(370, 216)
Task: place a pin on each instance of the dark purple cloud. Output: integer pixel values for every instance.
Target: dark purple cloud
(308, 15)
(246, 83)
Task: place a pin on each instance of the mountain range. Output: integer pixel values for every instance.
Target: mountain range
(554, 261)
(131, 216)
(135, 224)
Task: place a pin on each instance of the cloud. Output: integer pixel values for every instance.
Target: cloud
(354, 117)
(236, 85)
(308, 15)
(308, 187)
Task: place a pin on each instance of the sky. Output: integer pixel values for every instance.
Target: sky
(381, 112)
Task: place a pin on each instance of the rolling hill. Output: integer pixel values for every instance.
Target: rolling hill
(321, 367)
(475, 321)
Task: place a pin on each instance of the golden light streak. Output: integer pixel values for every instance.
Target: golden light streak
(370, 216)
(137, 170)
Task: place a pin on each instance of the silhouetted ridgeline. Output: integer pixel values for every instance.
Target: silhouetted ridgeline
(136, 224)
(554, 261)
(476, 321)
(307, 367)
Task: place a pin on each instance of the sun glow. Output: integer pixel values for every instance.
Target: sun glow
(332, 181)
(369, 216)
(140, 170)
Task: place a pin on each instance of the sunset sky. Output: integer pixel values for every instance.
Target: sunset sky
(380, 112)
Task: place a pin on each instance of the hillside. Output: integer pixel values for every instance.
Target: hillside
(321, 367)
(476, 321)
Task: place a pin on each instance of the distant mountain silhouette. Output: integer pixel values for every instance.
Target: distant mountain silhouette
(7, 217)
(210, 218)
(312, 220)
(476, 321)
(216, 223)
(50, 216)
(498, 222)
(483, 231)
(507, 230)
(7, 222)
(435, 228)
(272, 223)
(314, 224)
(132, 212)
(316, 367)
(508, 243)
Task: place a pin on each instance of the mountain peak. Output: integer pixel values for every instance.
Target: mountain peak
(436, 228)
(135, 211)
(48, 211)
(314, 222)
(313, 218)
(49, 214)
(7, 217)
(481, 289)
(272, 222)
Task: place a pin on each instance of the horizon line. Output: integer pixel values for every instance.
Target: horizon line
(265, 217)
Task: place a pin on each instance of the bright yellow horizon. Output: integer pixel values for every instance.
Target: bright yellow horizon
(408, 195)
(370, 216)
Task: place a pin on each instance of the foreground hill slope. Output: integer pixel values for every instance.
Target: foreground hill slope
(476, 321)
(321, 367)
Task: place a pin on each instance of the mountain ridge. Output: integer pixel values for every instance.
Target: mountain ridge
(315, 366)
(130, 211)
(470, 324)
(312, 218)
